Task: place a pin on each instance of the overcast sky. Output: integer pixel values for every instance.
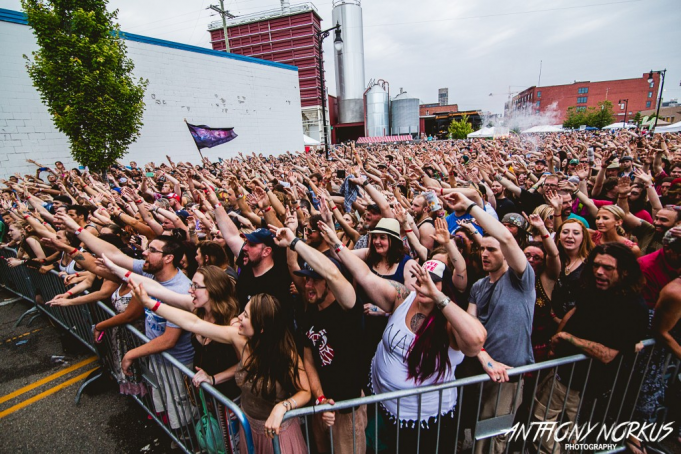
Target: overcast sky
(474, 48)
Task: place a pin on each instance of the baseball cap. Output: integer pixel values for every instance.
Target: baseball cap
(574, 161)
(615, 164)
(172, 195)
(308, 271)
(374, 208)
(436, 269)
(626, 158)
(263, 236)
(540, 161)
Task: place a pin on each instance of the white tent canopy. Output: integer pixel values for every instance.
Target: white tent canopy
(620, 125)
(309, 141)
(497, 131)
(543, 128)
(676, 127)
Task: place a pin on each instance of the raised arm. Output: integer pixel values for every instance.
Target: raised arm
(229, 231)
(340, 287)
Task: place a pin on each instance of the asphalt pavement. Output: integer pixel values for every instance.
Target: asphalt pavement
(41, 370)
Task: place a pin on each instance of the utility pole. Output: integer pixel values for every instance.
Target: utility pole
(221, 11)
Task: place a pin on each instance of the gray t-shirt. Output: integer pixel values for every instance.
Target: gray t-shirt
(505, 308)
(155, 325)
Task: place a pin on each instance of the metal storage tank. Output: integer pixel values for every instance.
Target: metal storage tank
(377, 122)
(349, 61)
(404, 114)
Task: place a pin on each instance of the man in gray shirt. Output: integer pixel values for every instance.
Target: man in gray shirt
(504, 303)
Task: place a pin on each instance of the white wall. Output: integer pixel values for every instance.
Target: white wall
(260, 101)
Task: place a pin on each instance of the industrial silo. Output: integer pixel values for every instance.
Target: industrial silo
(349, 61)
(377, 99)
(404, 114)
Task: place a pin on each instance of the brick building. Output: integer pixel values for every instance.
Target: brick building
(642, 95)
(284, 35)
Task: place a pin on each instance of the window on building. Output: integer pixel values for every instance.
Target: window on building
(539, 94)
(581, 109)
(652, 84)
(650, 94)
(583, 90)
(582, 100)
(538, 103)
(648, 104)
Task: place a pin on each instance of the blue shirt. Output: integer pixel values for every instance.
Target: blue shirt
(454, 222)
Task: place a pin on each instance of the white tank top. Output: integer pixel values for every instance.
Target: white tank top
(389, 371)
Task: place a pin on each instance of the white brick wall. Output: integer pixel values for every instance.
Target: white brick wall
(261, 102)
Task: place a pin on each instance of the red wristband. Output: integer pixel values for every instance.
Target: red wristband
(127, 275)
(334, 208)
(26, 216)
(156, 306)
(442, 191)
(75, 249)
(548, 235)
(138, 201)
(268, 209)
(320, 399)
(77, 232)
(408, 231)
(70, 293)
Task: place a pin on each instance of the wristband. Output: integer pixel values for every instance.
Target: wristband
(483, 350)
(548, 235)
(218, 205)
(268, 209)
(408, 231)
(442, 191)
(26, 216)
(70, 293)
(156, 306)
(470, 207)
(292, 246)
(75, 249)
(442, 304)
(334, 208)
(339, 247)
(127, 275)
(77, 232)
(138, 201)
(320, 399)
(212, 377)
(366, 182)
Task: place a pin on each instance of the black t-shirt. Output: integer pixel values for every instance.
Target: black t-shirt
(334, 336)
(276, 282)
(606, 318)
(530, 200)
(505, 206)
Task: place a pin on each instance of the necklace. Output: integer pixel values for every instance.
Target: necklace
(569, 266)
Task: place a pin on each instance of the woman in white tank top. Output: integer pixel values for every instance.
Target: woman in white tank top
(426, 338)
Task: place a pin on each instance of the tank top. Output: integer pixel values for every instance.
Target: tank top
(398, 275)
(68, 269)
(255, 405)
(389, 372)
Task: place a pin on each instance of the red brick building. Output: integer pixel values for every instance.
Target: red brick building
(284, 35)
(642, 95)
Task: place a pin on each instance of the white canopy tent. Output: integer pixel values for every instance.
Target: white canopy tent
(620, 125)
(497, 131)
(676, 127)
(543, 128)
(310, 142)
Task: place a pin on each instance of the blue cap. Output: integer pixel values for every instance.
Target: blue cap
(307, 270)
(261, 236)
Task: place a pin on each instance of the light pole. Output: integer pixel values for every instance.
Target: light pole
(338, 45)
(659, 98)
(626, 106)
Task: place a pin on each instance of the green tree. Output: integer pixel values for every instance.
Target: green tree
(85, 79)
(637, 119)
(460, 129)
(597, 117)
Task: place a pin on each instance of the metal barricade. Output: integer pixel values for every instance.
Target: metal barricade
(554, 393)
(198, 420)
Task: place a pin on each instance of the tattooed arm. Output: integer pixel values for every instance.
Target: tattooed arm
(594, 349)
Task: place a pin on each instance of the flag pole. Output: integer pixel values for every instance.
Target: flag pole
(197, 145)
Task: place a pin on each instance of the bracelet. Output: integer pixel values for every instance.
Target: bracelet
(320, 399)
(70, 293)
(334, 208)
(26, 216)
(366, 182)
(218, 205)
(286, 405)
(294, 401)
(292, 246)
(127, 275)
(139, 201)
(75, 249)
(548, 235)
(409, 231)
(77, 232)
(470, 207)
(156, 306)
(212, 377)
(338, 247)
(442, 304)
(268, 209)
(442, 191)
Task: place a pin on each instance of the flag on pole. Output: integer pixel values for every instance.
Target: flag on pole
(206, 137)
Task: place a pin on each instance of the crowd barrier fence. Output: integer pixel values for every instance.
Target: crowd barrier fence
(197, 420)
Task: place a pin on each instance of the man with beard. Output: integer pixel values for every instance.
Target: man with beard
(660, 267)
(161, 263)
(609, 319)
(421, 212)
(504, 204)
(332, 328)
(650, 235)
(262, 268)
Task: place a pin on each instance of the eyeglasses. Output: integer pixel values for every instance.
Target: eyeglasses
(155, 251)
(537, 258)
(193, 286)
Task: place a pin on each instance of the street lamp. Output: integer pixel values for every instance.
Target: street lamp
(338, 46)
(659, 98)
(626, 106)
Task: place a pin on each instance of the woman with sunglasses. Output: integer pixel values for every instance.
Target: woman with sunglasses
(270, 373)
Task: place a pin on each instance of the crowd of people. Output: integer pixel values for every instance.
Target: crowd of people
(294, 280)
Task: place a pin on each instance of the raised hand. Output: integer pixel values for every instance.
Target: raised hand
(535, 221)
(424, 283)
(441, 232)
(624, 186)
(328, 234)
(283, 236)
(458, 201)
(645, 177)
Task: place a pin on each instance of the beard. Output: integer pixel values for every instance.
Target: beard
(150, 268)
